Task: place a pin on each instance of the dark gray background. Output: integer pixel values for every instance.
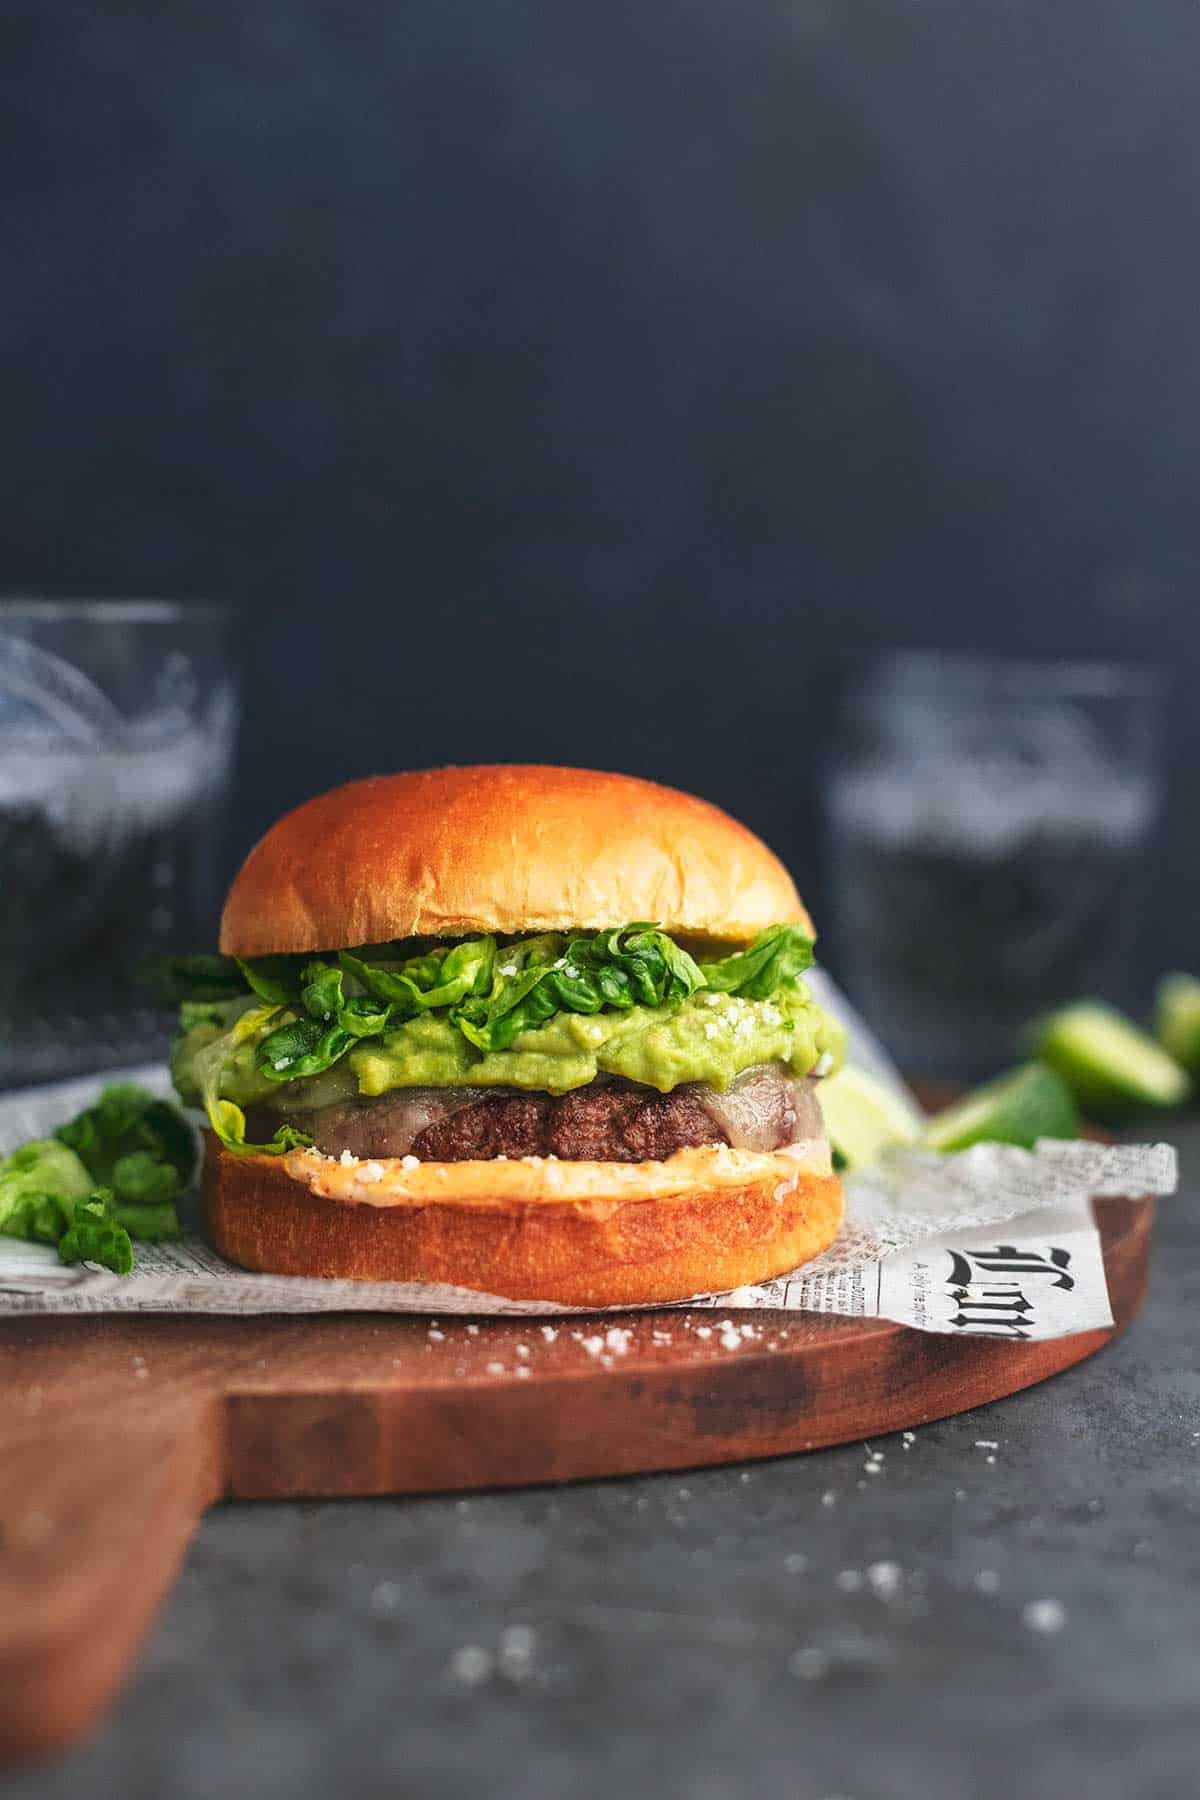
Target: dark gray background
(594, 382)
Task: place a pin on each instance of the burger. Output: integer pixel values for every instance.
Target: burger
(538, 1032)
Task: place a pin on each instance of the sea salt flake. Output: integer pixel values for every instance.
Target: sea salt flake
(472, 1664)
(517, 1643)
(1044, 1615)
(386, 1597)
(885, 1578)
(809, 1664)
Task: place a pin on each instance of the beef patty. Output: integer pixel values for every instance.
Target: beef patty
(608, 1121)
(591, 1124)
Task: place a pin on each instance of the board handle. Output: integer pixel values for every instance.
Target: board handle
(95, 1517)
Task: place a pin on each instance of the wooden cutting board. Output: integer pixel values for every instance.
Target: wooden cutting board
(117, 1432)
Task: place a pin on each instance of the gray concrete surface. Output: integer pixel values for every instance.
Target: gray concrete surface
(796, 1629)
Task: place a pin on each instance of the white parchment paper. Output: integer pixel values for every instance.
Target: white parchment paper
(996, 1241)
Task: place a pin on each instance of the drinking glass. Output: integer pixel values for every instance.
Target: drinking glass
(117, 723)
(988, 824)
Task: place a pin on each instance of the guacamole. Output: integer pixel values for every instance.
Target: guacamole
(710, 1037)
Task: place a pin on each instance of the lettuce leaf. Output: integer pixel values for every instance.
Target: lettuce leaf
(130, 1141)
(93, 1235)
(779, 954)
(274, 978)
(38, 1218)
(176, 979)
(38, 1183)
(242, 1041)
(328, 1025)
(423, 983)
(53, 1191)
(633, 965)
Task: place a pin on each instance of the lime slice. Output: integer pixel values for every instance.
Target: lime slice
(1177, 1019)
(1111, 1067)
(1018, 1108)
(864, 1117)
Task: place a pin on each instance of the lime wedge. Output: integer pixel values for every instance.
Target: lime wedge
(864, 1117)
(1177, 1019)
(1018, 1108)
(1111, 1067)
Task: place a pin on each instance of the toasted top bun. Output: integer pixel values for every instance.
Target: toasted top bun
(506, 848)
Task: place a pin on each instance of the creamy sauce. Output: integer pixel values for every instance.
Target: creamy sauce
(385, 1181)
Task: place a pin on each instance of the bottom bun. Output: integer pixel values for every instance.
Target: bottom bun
(580, 1234)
